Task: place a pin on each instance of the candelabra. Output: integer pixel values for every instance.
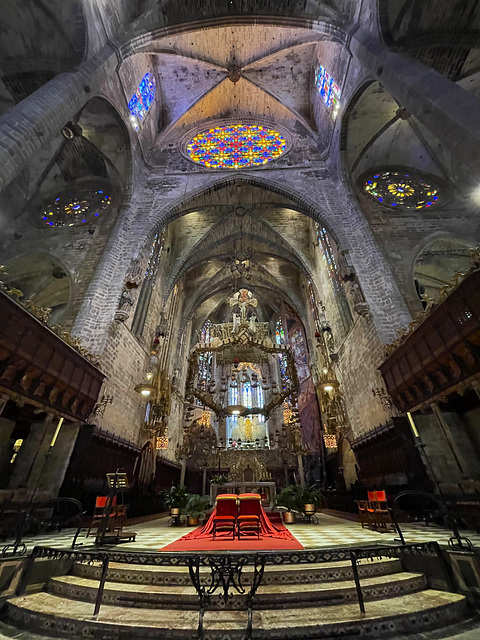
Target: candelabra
(99, 407)
(385, 399)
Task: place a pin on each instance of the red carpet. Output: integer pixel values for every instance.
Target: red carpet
(189, 543)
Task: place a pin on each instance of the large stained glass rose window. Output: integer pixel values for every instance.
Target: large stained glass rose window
(76, 206)
(236, 146)
(401, 189)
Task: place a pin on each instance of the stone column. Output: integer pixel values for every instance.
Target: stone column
(6, 428)
(105, 289)
(449, 437)
(183, 471)
(450, 112)
(28, 126)
(30, 455)
(222, 430)
(300, 469)
(53, 470)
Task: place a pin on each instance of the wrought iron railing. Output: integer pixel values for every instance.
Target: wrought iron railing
(456, 541)
(55, 513)
(226, 569)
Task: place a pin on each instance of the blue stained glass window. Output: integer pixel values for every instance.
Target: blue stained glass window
(142, 99)
(328, 89)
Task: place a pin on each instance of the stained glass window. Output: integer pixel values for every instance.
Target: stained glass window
(149, 280)
(142, 99)
(333, 273)
(282, 358)
(329, 90)
(207, 330)
(72, 209)
(236, 146)
(400, 189)
(205, 360)
(279, 333)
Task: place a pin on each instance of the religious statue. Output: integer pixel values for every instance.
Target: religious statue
(126, 302)
(243, 298)
(236, 322)
(251, 324)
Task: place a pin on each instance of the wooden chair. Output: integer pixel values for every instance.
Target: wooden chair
(248, 519)
(225, 514)
(363, 516)
(99, 510)
(119, 515)
(378, 510)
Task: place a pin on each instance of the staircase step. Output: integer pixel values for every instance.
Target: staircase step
(61, 617)
(274, 574)
(268, 596)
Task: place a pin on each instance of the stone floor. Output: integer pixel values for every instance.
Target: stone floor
(331, 531)
(467, 630)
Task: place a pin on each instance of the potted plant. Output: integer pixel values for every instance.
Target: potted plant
(292, 499)
(218, 478)
(176, 498)
(195, 507)
(312, 499)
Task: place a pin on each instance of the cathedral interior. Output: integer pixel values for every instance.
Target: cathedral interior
(240, 248)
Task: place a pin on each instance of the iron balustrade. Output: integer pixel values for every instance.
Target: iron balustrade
(37, 515)
(456, 541)
(226, 568)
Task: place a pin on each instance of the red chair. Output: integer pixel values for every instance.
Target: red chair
(100, 505)
(249, 509)
(225, 518)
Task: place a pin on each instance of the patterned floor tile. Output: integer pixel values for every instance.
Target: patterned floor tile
(331, 531)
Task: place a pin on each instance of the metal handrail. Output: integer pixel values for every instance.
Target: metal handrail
(461, 543)
(26, 512)
(226, 568)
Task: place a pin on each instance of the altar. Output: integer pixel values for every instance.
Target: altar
(267, 490)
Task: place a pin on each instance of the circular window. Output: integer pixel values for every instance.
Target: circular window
(236, 146)
(79, 205)
(400, 188)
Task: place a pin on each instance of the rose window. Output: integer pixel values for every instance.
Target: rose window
(400, 189)
(236, 146)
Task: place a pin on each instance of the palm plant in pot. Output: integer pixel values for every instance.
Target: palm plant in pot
(313, 498)
(176, 498)
(292, 499)
(195, 507)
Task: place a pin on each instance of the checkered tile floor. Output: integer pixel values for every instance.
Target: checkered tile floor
(331, 531)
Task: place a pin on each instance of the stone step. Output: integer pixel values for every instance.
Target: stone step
(274, 574)
(61, 617)
(268, 596)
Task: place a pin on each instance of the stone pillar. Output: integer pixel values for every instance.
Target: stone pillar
(105, 289)
(53, 471)
(204, 481)
(183, 471)
(6, 428)
(222, 430)
(300, 469)
(449, 437)
(31, 455)
(28, 126)
(450, 112)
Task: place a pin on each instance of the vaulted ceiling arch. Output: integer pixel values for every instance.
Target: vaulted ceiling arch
(216, 191)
